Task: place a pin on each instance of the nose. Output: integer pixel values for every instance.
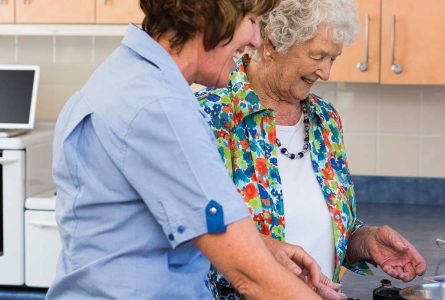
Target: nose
(256, 40)
(324, 70)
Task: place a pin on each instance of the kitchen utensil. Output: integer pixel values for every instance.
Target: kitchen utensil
(425, 291)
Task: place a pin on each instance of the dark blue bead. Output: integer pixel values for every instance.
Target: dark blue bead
(306, 139)
(292, 156)
(283, 150)
(171, 237)
(181, 229)
(300, 154)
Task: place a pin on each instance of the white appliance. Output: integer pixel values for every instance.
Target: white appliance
(42, 240)
(25, 170)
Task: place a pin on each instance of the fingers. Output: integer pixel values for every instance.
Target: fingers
(324, 280)
(327, 293)
(307, 264)
(409, 273)
(288, 263)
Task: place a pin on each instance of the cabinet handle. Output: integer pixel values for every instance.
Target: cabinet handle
(397, 69)
(43, 224)
(363, 66)
(6, 161)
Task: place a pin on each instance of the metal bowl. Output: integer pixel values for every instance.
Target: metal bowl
(426, 291)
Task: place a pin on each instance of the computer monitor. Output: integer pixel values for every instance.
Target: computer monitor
(18, 96)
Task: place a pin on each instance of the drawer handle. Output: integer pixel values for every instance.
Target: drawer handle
(43, 224)
(397, 69)
(7, 161)
(363, 66)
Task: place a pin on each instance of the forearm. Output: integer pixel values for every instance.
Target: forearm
(243, 258)
(358, 244)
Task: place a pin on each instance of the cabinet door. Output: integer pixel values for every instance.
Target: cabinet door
(365, 50)
(118, 11)
(7, 11)
(418, 41)
(55, 11)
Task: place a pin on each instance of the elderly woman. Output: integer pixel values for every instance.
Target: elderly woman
(142, 193)
(283, 146)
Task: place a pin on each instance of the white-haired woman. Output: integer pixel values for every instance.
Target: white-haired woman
(283, 146)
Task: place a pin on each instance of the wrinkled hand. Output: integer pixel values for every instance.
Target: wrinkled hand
(300, 263)
(393, 253)
(329, 290)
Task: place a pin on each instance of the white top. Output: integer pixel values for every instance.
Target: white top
(308, 222)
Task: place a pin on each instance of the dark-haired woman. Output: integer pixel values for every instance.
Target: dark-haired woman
(141, 188)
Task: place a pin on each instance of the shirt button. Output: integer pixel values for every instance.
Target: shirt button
(181, 229)
(213, 210)
(171, 237)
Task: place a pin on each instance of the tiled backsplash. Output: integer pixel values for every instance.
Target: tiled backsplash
(389, 130)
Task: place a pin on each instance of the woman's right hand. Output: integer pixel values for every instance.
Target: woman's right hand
(301, 264)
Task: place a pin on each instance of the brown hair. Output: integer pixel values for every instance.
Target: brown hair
(183, 19)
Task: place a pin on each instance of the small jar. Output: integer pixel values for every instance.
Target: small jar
(386, 292)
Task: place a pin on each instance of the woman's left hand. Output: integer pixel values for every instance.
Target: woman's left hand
(388, 249)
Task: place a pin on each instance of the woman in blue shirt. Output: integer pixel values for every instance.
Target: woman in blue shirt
(141, 187)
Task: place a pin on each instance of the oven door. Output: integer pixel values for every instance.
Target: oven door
(12, 197)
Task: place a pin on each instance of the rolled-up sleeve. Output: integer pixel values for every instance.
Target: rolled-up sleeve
(172, 162)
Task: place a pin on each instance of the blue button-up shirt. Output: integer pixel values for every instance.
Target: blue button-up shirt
(138, 177)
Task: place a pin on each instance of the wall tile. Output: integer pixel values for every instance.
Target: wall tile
(433, 110)
(357, 105)
(51, 100)
(397, 155)
(103, 47)
(73, 50)
(326, 90)
(196, 87)
(7, 50)
(361, 153)
(59, 74)
(36, 50)
(399, 109)
(432, 160)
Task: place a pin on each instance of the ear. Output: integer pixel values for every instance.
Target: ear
(269, 51)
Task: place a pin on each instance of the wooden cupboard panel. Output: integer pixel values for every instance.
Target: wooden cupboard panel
(345, 66)
(419, 43)
(7, 11)
(55, 11)
(118, 11)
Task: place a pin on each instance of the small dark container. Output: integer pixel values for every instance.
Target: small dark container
(386, 292)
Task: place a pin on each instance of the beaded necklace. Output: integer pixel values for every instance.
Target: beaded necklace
(283, 150)
(300, 154)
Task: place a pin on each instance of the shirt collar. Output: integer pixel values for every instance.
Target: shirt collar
(146, 47)
(245, 100)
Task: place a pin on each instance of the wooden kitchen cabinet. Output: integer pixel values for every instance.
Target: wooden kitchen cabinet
(409, 39)
(360, 61)
(7, 11)
(55, 11)
(419, 46)
(118, 12)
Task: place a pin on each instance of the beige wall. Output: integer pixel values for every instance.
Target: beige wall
(389, 130)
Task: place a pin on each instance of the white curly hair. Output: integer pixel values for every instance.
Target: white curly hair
(297, 21)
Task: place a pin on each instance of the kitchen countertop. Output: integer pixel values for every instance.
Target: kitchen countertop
(420, 224)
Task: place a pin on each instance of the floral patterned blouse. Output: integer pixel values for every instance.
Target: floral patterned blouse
(246, 139)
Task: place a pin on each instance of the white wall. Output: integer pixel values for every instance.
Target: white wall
(389, 130)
